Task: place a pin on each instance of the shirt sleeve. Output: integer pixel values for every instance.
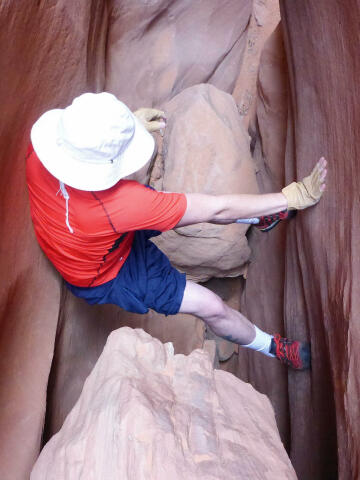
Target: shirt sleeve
(139, 207)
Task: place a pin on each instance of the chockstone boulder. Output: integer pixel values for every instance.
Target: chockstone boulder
(205, 149)
(145, 413)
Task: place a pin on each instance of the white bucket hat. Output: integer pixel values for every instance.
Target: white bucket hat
(93, 143)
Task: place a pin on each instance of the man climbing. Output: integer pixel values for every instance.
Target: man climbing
(95, 225)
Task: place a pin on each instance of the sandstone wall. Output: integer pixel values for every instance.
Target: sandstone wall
(316, 264)
(322, 261)
(44, 63)
(56, 50)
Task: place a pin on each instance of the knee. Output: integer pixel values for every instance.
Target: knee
(215, 310)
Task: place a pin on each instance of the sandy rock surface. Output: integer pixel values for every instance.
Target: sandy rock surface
(304, 285)
(147, 414)
(206, 149)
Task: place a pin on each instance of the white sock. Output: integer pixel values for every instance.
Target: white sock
(261, 342)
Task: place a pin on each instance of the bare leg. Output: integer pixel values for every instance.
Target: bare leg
(231, 325)
(223, 320)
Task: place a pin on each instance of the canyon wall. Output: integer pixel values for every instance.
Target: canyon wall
(301, 279)
(322, 260)
(45, 61)
(307, 107)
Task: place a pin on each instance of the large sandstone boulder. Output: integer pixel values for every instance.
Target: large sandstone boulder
(146, 413)
(206, 149)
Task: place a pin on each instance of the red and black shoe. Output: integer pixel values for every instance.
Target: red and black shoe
(268, 222)
(294, 354)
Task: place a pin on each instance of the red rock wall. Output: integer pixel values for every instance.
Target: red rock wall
(56, 50)
(44, 62)
(319, 284)
(322, 261)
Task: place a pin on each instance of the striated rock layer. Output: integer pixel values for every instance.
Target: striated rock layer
(319, 117)
(147, 413)
(45, 61)
(322, 257)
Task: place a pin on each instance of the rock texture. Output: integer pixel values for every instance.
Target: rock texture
(45, 61)
(302, 283)
(263, 299)
(52, 52)
(322, 261)
(159, 48)
(82, 334)
(206, 149)
(145, 413)
(263, 21)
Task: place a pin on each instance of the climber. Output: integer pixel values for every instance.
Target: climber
(95, 224)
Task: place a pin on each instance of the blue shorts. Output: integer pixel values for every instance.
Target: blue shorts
(146, 280)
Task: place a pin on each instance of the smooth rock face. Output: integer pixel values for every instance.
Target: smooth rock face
(206, 149)
(159, 48)
(45, 61)
(145, 413)
(322, 290)
(321, 287)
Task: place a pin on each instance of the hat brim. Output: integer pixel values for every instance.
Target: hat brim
(84, 175)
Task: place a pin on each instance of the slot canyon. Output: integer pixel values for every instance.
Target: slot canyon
(255, 91)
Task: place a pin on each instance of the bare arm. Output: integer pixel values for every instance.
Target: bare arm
(225, 209)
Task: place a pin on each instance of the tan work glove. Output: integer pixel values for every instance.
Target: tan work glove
(307, 193)
(152, 119)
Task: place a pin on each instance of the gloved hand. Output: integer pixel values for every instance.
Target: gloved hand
(152, 119)
(307, 193)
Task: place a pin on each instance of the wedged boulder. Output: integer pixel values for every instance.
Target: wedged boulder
(206, 149)
(147, 413)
